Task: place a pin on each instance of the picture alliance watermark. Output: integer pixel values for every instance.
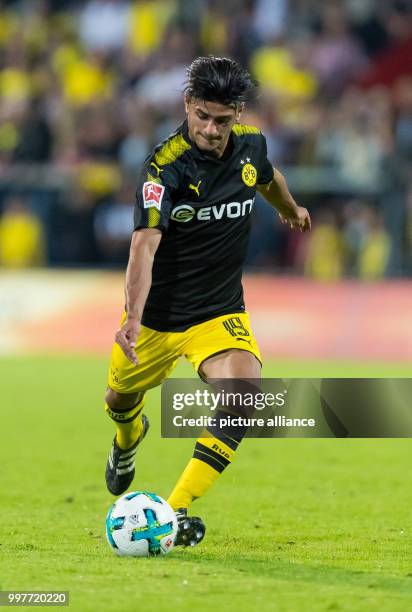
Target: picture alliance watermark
(271, 408)
(238, 421)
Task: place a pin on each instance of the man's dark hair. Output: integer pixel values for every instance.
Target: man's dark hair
(219, 79)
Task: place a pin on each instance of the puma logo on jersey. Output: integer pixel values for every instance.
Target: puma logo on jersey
(195, 188)
(244, 340)
(156, 167)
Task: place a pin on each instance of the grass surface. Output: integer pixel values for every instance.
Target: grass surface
(293, 525)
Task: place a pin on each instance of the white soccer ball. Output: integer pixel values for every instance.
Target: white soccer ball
(141, 524)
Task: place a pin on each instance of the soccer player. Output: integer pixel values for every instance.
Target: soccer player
(183, 281)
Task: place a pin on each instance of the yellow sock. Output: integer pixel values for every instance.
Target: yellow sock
(128, 425)
(210, 458)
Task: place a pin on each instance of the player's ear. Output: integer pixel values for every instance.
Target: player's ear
(187, 102)
(239, 110)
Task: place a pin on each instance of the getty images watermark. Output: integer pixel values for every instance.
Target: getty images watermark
(271, 408)
(257, 408)
(217, 401)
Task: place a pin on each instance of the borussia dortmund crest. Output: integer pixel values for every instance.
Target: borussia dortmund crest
(249, 175)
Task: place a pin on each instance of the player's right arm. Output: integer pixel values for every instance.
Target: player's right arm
(138, 282)
(154, 195)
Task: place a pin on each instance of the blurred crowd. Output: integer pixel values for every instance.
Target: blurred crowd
(87, 88)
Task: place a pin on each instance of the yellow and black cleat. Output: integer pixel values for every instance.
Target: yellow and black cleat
(120, 467)
(191, 529)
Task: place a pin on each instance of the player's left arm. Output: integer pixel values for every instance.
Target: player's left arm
(278, 195)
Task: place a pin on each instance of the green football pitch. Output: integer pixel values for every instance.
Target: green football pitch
(293, 524)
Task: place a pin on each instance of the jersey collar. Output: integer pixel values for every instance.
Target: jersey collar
(198, 154)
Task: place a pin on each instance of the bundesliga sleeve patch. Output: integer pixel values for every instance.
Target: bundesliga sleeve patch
(152, 195)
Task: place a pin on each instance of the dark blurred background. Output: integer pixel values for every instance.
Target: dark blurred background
(87, 88)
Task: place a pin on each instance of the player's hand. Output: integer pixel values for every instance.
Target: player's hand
(298, 218)
(126, 338)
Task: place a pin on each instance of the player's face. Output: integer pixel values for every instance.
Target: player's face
(210, 124)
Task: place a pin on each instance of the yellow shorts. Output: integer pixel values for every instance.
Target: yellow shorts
(158, 351)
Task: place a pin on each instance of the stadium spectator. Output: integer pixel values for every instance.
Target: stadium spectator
(395, 59)
(336, 56)
(103, 24)
(21, 235)
(374, 254)
(113, 224)
(354, 138)
(325, 252)
(34, 138)
(366, 243)
(270, 18)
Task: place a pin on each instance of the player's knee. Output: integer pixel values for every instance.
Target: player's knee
(122, 401)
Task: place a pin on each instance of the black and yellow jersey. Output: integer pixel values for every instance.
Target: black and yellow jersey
(203, 206)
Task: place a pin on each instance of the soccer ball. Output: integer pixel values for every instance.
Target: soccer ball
(141, 524)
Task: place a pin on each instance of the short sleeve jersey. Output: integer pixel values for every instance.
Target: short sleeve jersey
(203, 207)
